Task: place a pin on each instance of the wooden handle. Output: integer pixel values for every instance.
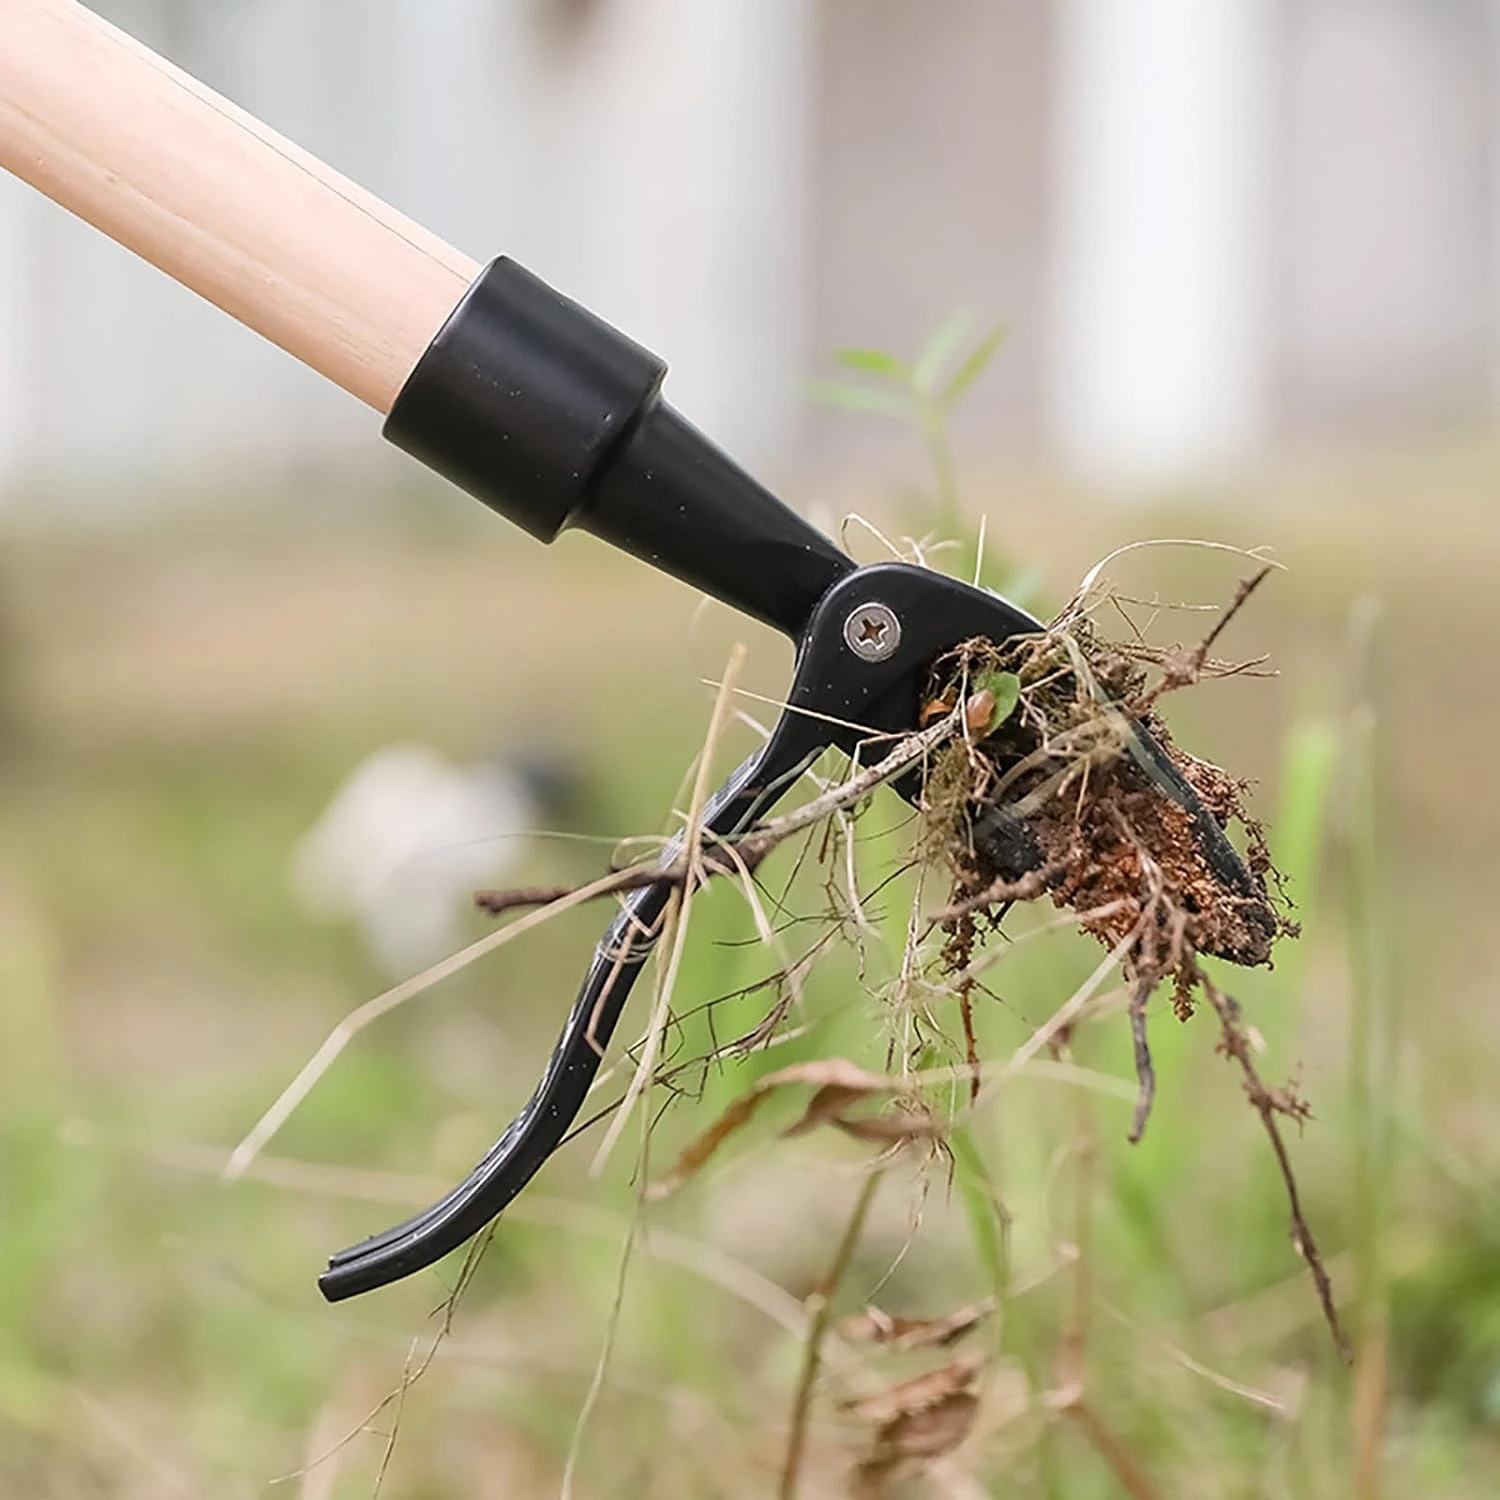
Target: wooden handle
(218, 201)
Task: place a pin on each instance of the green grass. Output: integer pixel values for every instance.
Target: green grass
(160, 1331)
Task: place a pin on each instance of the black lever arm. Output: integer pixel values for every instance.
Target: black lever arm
(618, 960)
(844, 691)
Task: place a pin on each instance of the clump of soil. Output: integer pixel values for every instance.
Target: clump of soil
(1079, 791)
(1066, 783)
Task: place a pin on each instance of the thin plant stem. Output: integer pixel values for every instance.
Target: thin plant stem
(1372, 1083)
(817, 1330)
(680, 909)
(1121, 1461)
(934, 423)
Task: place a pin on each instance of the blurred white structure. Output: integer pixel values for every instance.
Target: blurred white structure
(643, 156)
(403, 846)
(1208, 223)
(1163, 129)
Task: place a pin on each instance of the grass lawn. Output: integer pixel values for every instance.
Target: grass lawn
(177, 707)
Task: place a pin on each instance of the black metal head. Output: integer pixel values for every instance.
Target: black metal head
(553, 419)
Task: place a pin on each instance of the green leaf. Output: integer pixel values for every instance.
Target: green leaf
(1006, 687)
(859, 398)
(940, 347)
(873, 362)
(971, 369)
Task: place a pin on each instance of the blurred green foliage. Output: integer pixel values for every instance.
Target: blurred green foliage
(160, 1331)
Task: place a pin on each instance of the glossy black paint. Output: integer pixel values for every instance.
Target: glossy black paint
(830, 683)
(553, 418)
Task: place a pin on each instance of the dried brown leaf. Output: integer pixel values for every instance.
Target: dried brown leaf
(933, 1431)
(913, 1123)
(914, 1438)
(827, 1107)
(697, 1152)
(878, 1327)
(833, 1072)
(919, 1393)
(837, 1081)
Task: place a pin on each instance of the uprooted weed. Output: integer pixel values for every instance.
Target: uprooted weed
(1046, 774)
(1057, 781)
(1066, 782)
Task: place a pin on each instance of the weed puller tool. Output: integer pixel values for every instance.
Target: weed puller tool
(534, 406)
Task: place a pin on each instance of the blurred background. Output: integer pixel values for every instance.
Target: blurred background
(272, 701)
(1212, 230)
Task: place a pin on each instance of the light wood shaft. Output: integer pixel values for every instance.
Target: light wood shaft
(220, 202)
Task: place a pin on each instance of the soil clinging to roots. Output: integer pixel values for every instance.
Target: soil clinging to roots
(1081, 784)
(1066, 783)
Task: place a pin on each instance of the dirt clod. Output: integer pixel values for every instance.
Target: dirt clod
(1074, 788)
(1083, 780)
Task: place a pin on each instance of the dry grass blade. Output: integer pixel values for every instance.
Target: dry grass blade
(677, 915)
(749, 851)
(601, 1365)
(819, 1323)
(371, 1011)
(1070, 1010)
(740, 856)
(1090, 583)
(1269, 1103)
(129, 1443)
(681, 910)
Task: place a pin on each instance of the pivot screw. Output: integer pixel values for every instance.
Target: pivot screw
(872, 632)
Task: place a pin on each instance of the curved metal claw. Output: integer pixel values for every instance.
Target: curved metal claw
(540, 1127)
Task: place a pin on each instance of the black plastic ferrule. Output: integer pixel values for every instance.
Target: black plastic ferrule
(521, 396)
(553, 418)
